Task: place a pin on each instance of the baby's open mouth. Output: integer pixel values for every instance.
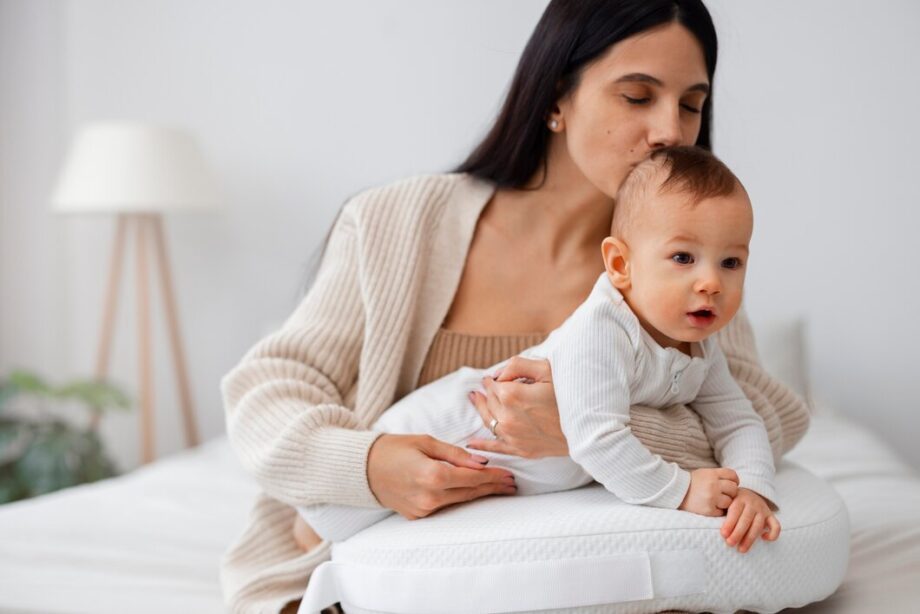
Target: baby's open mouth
(701, 317)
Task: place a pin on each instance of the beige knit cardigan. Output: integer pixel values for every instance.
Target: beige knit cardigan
(299, 403)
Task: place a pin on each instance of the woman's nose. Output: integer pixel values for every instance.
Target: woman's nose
(665, 130)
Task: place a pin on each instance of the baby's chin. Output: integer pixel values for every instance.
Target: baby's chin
(694, 330)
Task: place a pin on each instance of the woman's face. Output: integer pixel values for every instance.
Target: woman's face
(644, 93)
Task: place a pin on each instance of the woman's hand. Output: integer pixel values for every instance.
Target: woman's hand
(416, 475)
(522, 400)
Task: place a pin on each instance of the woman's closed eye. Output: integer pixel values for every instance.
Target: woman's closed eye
(686, 106)
(632, 100)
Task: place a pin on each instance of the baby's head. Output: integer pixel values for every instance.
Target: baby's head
(679, 244)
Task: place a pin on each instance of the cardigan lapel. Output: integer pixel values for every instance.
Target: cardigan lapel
(447, 248)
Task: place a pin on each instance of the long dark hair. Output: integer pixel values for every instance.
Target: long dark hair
(570, 35)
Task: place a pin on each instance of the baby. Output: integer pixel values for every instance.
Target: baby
(675, 266)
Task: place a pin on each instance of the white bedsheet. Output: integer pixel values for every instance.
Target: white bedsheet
(882, 494)
(150, 541)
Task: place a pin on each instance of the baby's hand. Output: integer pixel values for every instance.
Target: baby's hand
(711, 491)
(749, 517)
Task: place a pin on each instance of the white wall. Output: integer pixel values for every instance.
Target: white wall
(299, 105)
(818, 115)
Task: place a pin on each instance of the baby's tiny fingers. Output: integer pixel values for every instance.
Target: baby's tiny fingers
(744, 523)
(728, 487)
(773, 529)
(734, 512)
(751, 537)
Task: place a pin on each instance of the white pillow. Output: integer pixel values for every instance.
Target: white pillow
(586, 551)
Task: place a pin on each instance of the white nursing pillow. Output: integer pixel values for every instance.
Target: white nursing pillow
(586, 551)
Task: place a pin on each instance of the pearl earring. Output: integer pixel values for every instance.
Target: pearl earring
(553, 124)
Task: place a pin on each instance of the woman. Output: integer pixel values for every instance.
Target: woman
(427, 274)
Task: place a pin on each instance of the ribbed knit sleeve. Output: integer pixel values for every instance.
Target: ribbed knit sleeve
(734, 428)
(677, 434)
(593, 369)
(285, 401)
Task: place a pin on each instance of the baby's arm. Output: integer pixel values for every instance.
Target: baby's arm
(593, 362)
(740, 442)
(736, 431)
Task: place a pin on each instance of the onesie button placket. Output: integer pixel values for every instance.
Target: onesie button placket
(675, 381)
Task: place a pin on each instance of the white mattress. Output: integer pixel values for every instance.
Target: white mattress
(556, 552)
(151, 541)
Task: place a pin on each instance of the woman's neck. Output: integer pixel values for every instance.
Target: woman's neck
(565, 215)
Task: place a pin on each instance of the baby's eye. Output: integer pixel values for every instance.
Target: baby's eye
(731, 263)
(682, 258)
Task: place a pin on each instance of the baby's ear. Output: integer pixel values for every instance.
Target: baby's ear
(616, 261)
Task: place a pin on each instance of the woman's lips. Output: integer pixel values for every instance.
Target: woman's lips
(701, 318)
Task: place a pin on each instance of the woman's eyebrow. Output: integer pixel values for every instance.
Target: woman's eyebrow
(638, 77)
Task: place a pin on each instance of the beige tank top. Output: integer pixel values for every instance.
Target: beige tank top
(451, 350)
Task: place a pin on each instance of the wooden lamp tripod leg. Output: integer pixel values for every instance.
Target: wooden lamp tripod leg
(144, 345)
(110, 305)
(147, 225)
(172, 318)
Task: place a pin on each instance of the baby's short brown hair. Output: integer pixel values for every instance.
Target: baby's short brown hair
(690, 170)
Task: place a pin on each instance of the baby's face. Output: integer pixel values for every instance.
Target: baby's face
(687, 265)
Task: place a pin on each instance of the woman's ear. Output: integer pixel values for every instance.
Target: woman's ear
(616, 261)
(554, 119)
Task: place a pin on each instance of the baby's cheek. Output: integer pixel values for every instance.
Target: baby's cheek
(669, 309)
(732, 303)
(672, 303)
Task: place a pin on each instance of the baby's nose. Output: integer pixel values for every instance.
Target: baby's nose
(709, 284)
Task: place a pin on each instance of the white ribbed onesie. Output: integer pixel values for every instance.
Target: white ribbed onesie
(602, 363)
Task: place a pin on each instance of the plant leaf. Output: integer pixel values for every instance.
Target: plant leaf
(99, 395)
(7, 391)
(43, 467)
(14, 439)
(11, 489)
(29, 383)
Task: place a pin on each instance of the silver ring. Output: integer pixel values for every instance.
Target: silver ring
(492, 425)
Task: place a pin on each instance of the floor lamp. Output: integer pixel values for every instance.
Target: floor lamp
(138, 172)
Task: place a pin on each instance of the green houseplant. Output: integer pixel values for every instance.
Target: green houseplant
(43, 446)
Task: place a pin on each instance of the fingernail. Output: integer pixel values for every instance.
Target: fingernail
(482, 460)
(497, 374)
(508, 479)
(472, 397)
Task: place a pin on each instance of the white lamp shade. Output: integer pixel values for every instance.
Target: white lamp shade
(133, 167)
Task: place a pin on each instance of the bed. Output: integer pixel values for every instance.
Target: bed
(150, 541)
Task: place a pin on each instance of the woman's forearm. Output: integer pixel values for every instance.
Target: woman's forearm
(287, 417)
